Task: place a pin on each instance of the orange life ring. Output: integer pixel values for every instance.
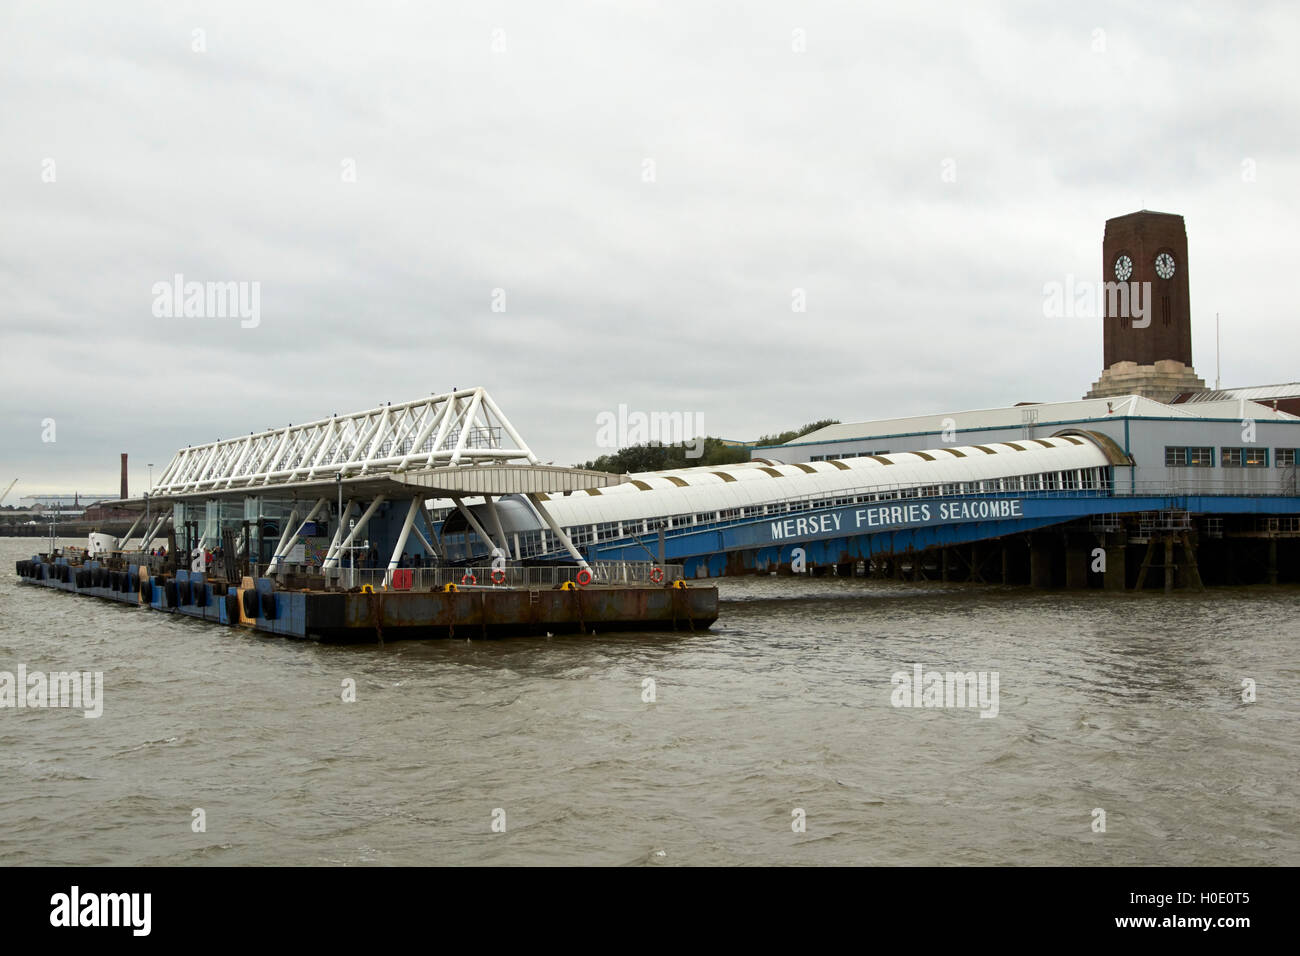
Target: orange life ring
(468, 578)
(584, 577)
(498, 576)
(656, 575)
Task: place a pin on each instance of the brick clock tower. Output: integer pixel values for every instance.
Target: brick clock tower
(1148, 345)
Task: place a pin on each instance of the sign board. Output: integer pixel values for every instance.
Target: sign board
(866, 519)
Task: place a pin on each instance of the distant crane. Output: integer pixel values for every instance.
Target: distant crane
(7, 490)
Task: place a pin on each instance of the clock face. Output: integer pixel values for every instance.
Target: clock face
(1123, 268)
(1165, 265)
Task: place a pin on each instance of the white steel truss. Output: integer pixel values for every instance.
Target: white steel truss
(457, 428)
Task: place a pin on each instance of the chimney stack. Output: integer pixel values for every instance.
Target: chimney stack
(123, 474)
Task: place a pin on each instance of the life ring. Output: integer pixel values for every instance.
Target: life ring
(584, 577)
(498, 575)
(468, 578)
(656, 574)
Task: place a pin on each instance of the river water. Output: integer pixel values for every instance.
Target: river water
(781, 716)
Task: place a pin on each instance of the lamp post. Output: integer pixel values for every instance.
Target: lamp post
(338, 531)
(148, 500)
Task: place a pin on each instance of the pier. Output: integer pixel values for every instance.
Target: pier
(324, 531)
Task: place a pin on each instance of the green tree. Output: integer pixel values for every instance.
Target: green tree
(652, 456)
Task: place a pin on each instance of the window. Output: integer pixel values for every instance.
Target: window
(1245, 457)
(1183, 457)
(1285, 457)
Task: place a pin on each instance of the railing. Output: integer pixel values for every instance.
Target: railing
(612, 573)
(1235, 486)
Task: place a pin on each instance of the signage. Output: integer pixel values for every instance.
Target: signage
(867, 519)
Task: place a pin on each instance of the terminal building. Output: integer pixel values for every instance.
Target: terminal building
(1148, 456)
(1168, 479)
(1149, 400)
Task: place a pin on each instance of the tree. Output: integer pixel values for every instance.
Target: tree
(653, 456)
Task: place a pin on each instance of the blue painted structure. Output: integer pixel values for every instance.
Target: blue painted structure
(840, 534)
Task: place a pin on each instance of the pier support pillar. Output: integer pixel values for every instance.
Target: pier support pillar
(1116, 576)
(1076, 566)
(1040, 562)
(1272, 560)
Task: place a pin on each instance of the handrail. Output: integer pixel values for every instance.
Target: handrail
(610, 573)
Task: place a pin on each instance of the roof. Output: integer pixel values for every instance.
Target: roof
(710, 488)
(1251, 393)
(1015, 416)
(458, 443)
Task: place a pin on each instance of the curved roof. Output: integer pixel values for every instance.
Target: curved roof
(715, 488)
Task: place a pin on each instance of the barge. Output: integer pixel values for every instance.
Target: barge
(337, 530)
(522, 604)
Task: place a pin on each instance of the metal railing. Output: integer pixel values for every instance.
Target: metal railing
(534, 577)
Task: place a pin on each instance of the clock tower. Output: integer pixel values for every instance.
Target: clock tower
(1147, 329)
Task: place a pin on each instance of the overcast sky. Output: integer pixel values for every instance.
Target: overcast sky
(649, 183)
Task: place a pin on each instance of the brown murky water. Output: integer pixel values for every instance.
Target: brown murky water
(1131, 704)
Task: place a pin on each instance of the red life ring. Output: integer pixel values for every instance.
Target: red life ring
(656, 575)
(498, 576)
(584, 577)
(468, 578)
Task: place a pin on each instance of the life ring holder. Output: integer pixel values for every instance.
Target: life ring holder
(468, 578)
